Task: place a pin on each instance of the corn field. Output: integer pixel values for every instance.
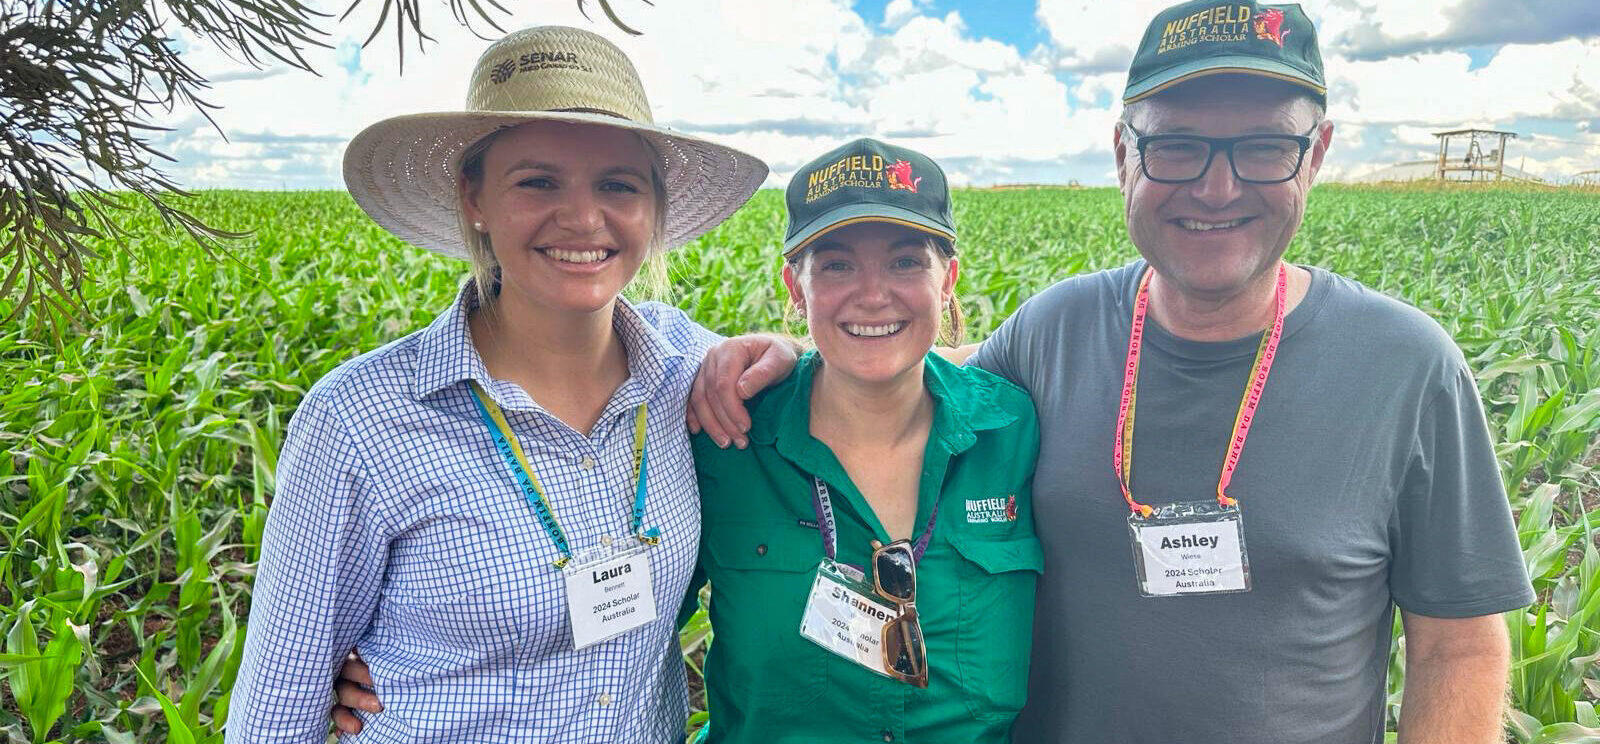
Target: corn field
(139, 452)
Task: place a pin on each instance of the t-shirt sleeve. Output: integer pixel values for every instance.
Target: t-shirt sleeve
(999, 353)
(1455, 549)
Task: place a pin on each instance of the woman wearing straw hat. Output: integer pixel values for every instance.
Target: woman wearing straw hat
(500, 510)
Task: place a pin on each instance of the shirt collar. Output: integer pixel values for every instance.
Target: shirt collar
(446, 356)
(963, 405)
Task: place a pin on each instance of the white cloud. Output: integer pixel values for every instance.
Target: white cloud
(789, 80)
(1545, 80)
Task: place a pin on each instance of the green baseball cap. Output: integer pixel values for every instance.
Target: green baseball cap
(1196, 39)
(866, 181)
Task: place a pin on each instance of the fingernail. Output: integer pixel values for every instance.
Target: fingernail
(742, 442)
(374, 708)
(722, 442)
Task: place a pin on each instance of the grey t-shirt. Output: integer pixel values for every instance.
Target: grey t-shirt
(1368, 481)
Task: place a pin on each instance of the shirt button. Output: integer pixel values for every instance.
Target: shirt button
(606, 541)
(888, 735)
(587, 462)
(761, 549)
(605, 698)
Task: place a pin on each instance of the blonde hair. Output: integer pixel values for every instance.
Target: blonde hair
(649, 283)
(952, 327)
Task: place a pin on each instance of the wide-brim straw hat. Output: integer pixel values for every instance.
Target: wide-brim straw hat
(403, 171)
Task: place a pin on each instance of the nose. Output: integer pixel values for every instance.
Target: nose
(580, 213)
(1217, 187)
(873, 288)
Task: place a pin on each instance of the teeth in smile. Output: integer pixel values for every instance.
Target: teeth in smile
(575, 256)
(1203, 226)
(856, 329)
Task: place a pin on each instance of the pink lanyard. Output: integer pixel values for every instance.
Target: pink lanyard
(1122, 453)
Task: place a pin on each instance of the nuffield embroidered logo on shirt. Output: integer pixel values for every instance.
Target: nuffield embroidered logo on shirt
(986, 511)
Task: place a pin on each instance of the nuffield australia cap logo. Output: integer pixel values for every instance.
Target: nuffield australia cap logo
(987, 511)
(861, 171)
(899, 176)
(1221, 23)
(504, 69)
(1269, 26)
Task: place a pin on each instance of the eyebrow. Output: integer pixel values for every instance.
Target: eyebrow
(627, 170)
(1258, 129)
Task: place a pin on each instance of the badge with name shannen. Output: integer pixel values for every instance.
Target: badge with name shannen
(1192, 547)
(609, 596)
(845, 616)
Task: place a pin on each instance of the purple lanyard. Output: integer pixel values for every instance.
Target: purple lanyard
(822, 501)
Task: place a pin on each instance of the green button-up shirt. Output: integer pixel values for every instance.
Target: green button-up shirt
(975, 584)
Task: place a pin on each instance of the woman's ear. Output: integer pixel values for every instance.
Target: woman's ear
(947, 293)
(797, 295)
(467, 194)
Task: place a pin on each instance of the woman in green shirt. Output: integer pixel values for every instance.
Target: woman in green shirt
(890, 445)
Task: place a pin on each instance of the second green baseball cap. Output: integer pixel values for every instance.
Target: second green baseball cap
(1195, 39)
(866, 181)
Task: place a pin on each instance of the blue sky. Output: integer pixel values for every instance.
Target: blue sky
(1000, 91)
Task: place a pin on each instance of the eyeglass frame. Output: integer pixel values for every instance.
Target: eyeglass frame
(908, 615)
(1213, 144)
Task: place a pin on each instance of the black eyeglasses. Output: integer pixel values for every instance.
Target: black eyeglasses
(1254, 158)
(894, 577)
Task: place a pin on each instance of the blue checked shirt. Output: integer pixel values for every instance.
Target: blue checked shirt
(398, 529)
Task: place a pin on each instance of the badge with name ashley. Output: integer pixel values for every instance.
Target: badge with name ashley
(845, 616)
(609, 596)
(1194, 547)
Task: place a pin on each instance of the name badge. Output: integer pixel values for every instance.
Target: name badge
(1194, 547)
(609, 596)
(845, 616)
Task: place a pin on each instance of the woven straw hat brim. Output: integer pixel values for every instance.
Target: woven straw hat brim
(403, 171)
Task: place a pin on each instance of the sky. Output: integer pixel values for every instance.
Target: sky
(998, 91)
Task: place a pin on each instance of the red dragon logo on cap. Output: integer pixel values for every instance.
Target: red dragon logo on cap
(1269, 25)
(899, 175)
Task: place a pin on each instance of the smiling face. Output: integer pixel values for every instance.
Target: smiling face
(569, 210)
(872, 294)
(1212, 237)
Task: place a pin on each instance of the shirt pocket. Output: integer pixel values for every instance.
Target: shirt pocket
(761, 575)
(994, 637)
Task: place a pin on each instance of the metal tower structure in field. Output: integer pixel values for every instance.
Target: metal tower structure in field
(1472, 155)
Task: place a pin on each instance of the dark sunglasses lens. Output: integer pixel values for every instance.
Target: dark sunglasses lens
(906, 652)
(894, 567)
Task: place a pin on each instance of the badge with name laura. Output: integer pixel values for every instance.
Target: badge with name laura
(845, 616)
(1192, 547)
(609, 595)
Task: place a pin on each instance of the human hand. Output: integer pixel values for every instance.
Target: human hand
(354, 690)
(732, 372)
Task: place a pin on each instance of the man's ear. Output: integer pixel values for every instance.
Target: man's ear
(1119, 146)
(1321, 140)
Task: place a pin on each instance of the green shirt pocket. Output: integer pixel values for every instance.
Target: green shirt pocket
(761, 573)
(994, 639)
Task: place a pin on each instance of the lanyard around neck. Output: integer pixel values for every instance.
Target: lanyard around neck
(506, 442)
(1122, 451)
(822, 501)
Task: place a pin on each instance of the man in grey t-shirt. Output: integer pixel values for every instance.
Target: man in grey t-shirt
(1233, 499)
